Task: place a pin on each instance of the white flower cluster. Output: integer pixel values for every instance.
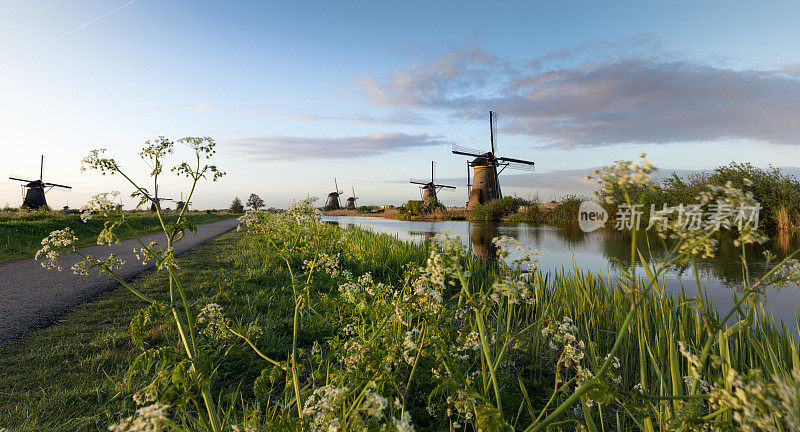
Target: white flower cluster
(373, 403)
(759, 405)
(354, 354)
(622, 175)
(403, 424)
(787, 274)
(460, 409)
(323, 407)
(527, 257)
(304, 209)
(147, 253)
(514, 290)
(147, 419)
(102, 203)
(361, 292)
(325, 263)
(54, 245)
(213, 322)
(410, 347)
(247, 220)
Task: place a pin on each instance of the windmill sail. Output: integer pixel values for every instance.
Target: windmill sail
(487, 167)
(35, 189)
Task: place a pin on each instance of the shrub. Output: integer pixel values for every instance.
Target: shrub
(496, 210)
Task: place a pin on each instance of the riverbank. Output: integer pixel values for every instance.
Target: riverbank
(356, 329)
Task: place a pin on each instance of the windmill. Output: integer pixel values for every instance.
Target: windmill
(333, 197)
(351, 202)
(485, 178)
(35, 189)
(180, 204)
(153, 203)
(429, 189)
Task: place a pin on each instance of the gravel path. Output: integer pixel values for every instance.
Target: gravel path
(32, 297)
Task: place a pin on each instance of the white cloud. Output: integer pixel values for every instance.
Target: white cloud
(627, 97)
(280, 147)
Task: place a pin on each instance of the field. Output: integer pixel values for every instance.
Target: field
(21, 233)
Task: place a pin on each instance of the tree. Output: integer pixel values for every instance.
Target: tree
(237, 206)
(255, 202)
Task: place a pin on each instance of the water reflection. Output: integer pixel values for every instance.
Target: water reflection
(604, 251)
(480, 239)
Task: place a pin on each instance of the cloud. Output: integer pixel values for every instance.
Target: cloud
(279, 147)
(409, 118)
(631, 96)
(205, 106)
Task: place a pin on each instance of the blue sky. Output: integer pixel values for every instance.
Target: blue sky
(296, 93)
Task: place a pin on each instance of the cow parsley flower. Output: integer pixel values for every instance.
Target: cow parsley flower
(56, 243)
(373, 403)
(403, 424)
(212, 322)
(323, 407)
(147, 419)
(623, 175)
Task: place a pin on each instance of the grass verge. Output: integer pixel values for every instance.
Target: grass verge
(70, 376)
(21, 233)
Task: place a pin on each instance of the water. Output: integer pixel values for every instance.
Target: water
(598, 250)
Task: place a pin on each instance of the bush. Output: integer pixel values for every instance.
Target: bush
(772, 188)
(497, 210)
(420, 208)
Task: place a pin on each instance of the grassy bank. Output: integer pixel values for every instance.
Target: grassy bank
(72, 376)
(361, 330)
(21, 233)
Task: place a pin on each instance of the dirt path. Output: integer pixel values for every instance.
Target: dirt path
(32, 297)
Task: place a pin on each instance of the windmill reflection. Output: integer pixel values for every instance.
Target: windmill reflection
(480, 238)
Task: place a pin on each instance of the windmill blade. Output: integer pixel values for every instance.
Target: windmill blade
(57, 185)
(419, 181)
(493, 130)
(518, 164)
(457, 149)
(19, 179)
(448, 187)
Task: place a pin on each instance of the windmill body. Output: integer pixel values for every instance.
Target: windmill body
(351, 202)
(153, 204)
(486, 168)
(35, 189)
(179, 205)
(333, 198)
(430, 189)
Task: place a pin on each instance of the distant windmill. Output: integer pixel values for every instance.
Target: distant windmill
(485, 179)
(351, 202)
(35, 189)
(429, 189)
(153, 204)
(180, 204)
(333, 197)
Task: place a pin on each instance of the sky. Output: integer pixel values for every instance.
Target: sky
(298, 93)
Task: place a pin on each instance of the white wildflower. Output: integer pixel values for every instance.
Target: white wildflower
(147, 419)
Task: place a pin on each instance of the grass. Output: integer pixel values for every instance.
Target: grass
(73, 376)
(21, 233)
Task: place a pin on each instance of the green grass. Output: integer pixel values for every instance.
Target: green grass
(21, 233)
(70, 376)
